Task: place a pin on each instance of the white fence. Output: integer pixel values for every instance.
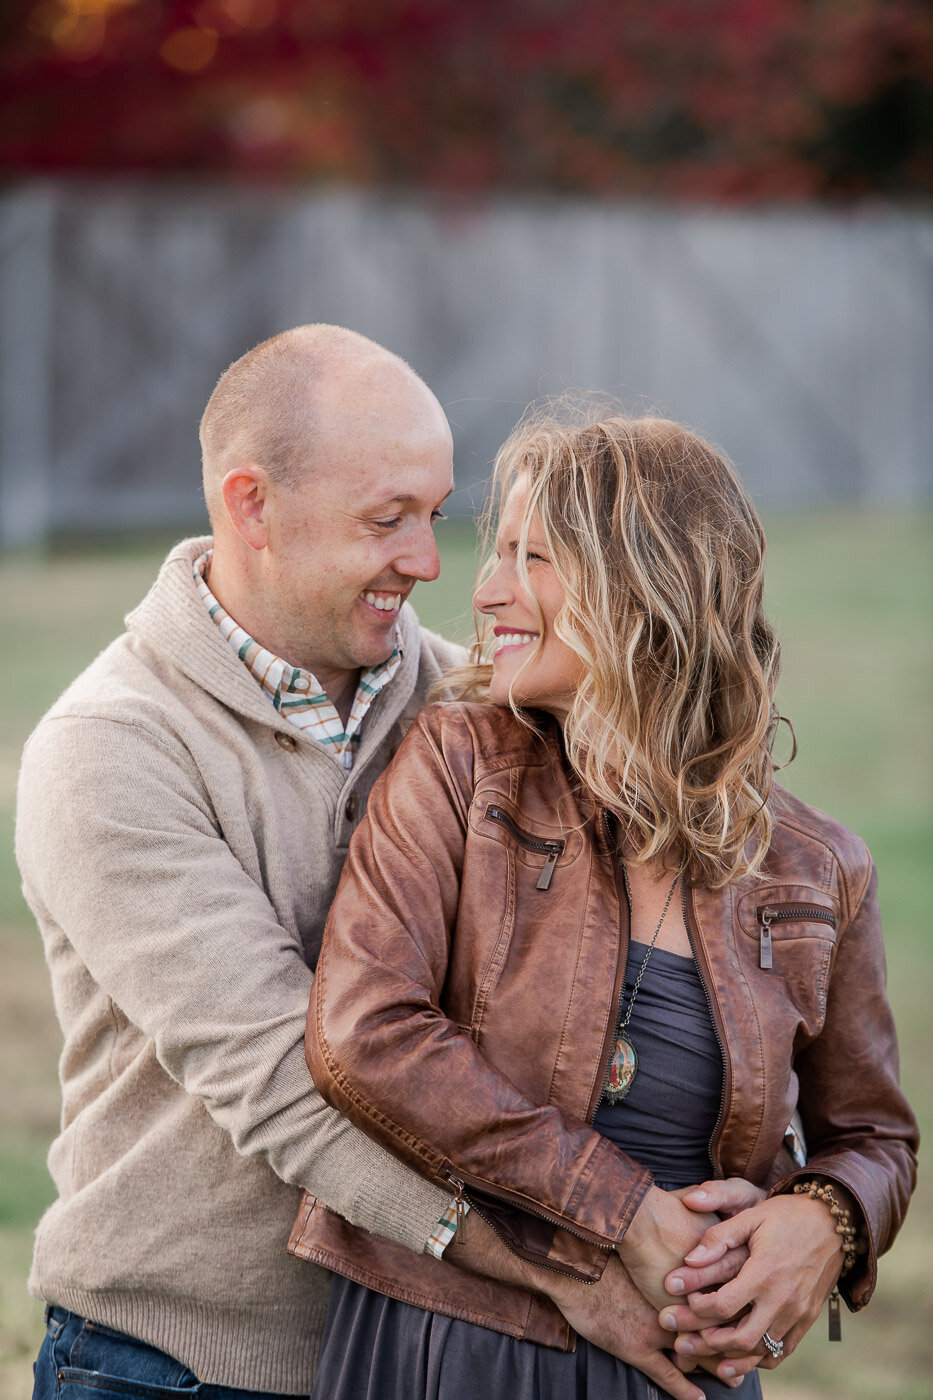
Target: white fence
(801, 340)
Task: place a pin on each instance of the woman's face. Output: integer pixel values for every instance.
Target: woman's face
(529, 660)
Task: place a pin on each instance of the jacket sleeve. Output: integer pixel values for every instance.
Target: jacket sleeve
(140, 896)
(858, 1126)
(380, 1046)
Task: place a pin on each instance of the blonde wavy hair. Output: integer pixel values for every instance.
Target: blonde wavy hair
(661, 556)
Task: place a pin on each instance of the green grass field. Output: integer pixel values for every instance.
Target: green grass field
(851, 593)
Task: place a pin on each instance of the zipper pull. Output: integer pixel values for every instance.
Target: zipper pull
(462, 1207)
(835, 1320)
(764, 942)
(547, 870)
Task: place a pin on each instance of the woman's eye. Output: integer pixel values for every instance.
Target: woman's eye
(437, 515)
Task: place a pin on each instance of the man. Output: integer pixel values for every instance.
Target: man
(183, 815)
(184, 812)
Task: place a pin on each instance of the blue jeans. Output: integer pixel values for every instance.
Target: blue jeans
(81, 1360)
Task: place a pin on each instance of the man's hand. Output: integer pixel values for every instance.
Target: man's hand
(613, 1315)
(794, 1261)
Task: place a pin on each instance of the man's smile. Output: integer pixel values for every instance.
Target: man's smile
(382, 602)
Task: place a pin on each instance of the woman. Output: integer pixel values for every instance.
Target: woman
(584, 954)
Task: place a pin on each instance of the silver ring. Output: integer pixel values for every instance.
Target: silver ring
(776, 1348)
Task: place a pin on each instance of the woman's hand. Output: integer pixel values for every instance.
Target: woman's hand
(706, 1204)
(793, 1262)
(724, 1198)
(663, 1230)
(661, 1235)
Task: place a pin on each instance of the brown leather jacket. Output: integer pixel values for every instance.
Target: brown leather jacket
(470, 983)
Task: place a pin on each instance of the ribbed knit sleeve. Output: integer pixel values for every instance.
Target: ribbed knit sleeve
(131, 871)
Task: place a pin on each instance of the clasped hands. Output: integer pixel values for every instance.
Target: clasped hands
(741, 1264)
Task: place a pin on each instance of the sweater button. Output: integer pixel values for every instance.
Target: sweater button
(351, 807)
(285, 741)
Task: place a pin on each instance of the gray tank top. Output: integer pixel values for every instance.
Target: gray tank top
(668, 1118)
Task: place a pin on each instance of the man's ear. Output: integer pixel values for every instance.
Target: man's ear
(246, 495)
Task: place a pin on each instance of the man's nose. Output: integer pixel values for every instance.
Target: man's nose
(420, 560)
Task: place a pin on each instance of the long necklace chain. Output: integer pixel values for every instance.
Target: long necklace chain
(623, 1065)
(654, 939)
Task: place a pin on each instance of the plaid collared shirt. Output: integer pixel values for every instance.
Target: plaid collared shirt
(295, 693)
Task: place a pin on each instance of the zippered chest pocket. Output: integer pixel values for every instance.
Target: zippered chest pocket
(778, 915)
(782, 913)
(547, 849)
(788, 938)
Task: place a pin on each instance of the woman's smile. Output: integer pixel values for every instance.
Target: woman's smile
(509, 640)
(531, 665)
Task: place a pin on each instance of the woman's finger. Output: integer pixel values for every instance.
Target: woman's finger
(684, 1319)
(724, 1340)
(682, 1281)
(733, 1233)
(725, 1198)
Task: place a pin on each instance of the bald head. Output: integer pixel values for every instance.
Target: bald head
(326, 464)
(274, 406)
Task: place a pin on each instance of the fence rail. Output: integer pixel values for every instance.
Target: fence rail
(801, 340)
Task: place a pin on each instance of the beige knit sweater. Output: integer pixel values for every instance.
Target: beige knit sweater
(179, 845)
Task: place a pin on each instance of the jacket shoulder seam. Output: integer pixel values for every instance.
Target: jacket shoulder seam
(846, 869)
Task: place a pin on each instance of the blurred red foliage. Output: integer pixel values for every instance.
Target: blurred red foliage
(736, 100)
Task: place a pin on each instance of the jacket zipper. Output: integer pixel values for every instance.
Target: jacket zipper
(770, 914)
(463, 1206)
(619, 973)
(619, 989)
(461, 1181)
(717, 1031)
(552, 849)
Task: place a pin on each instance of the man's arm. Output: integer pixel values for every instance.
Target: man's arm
(122, 856)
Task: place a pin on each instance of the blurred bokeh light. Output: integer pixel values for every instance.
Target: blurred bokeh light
(736, 100)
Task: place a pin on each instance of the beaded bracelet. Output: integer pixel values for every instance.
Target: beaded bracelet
(849, 1244)
(820, 1191)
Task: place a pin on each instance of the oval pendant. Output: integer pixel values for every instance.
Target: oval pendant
(622, 1068)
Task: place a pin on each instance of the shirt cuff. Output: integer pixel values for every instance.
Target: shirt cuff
(445, 1229)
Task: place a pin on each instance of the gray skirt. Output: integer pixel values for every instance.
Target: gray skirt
(376, 1348)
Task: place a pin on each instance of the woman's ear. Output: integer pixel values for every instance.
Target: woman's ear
(246, 496)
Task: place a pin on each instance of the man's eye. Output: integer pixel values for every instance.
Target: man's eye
(388, 524)
(437, 515)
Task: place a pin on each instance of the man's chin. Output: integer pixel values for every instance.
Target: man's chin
(375, 653)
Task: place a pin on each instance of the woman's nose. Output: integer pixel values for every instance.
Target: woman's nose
(492, 592)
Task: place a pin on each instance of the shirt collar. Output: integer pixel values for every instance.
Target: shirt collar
(296, 693)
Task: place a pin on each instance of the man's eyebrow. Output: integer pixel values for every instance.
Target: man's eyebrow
(402, 499)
